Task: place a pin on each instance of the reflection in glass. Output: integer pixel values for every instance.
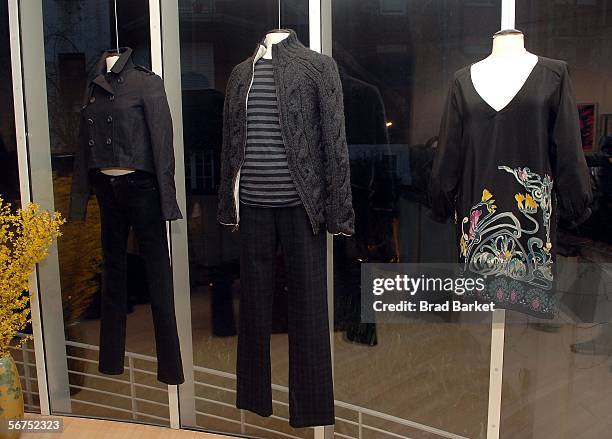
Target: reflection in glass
(430, 369)
(557, 374)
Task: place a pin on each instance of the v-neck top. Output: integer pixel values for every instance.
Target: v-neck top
(507, 176)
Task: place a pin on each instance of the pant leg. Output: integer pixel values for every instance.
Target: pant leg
(311, 396)
(142, 194)
(114, 226)
(257, 262)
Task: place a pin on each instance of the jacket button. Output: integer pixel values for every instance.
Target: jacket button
(109, 141)
(112, 97)
(109, 119)
(92, 99)
(120, 79)
(91, 142)
(90, 121)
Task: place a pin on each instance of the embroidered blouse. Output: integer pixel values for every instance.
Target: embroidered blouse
(507, 176)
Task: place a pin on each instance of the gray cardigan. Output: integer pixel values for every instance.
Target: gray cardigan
(312, 123)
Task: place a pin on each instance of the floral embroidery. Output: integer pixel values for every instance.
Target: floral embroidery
(494, 242)
(514, 294)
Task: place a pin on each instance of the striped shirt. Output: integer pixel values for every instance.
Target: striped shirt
(265, 180)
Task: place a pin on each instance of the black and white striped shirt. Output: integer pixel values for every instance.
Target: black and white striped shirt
(265, 180)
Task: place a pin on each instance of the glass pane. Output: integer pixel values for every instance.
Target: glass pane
(396, 60)
(557, 373)
(76, 34)
(9, 192)
(9, 173)
(215, 37)
(294, 15)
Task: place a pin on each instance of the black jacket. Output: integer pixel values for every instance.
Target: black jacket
(125, 122)
(311, 112)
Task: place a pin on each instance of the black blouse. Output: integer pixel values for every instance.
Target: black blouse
(507, 176)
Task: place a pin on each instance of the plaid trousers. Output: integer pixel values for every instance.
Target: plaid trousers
(311, 396)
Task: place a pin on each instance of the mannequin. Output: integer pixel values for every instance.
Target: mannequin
(501, 75)
(273, 194)
(272, 38)
(110, 62)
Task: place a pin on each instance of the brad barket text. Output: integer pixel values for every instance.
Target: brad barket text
(424, 306)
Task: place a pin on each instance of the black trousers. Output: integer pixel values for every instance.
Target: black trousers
(311, 396)
(126, 201)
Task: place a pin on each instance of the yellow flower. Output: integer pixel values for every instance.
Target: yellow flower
(486, 195)
(25, 237)
(519, 200)
(548, 247)
(463, 245)
(530, 203)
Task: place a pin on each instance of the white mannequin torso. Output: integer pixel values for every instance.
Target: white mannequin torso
(500, 76)
(114, 171)
(271, 39)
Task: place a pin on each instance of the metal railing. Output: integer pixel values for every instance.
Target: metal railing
(25, 365)
(359, 415)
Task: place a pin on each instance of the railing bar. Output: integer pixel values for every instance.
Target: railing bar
(285, 404)
(148, 372)
(98, 376)
(397, 420)
(97, 348)
(150, 402)
(214, 372)
(348, 421)
(213, 386)
(118, 409)
(389, 433)
(29, 378)
(224, 404)
(132, 389)
(26, 371)
(280, 388)
(151, 387)
(360, 425)
(106, 392)
(87, 360)
(271, 431)
(233, 421)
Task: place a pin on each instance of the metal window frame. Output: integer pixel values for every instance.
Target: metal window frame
(36, 182)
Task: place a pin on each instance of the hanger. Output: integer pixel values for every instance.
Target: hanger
(116, 28)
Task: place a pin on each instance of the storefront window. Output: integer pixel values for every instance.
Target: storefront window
(425, 375)
(396, 60)
(556, 373)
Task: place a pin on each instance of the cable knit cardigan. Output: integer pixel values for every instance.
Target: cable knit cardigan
(312, 124)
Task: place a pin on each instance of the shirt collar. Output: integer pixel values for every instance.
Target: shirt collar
(123, 63)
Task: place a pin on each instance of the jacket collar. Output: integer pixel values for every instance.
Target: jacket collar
(283, 51)
(122, 64)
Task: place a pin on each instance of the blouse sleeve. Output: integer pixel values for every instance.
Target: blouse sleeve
(571, 176)
(446, 172)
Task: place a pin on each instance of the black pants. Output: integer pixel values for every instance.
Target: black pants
(126, 201)
(311, 396)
